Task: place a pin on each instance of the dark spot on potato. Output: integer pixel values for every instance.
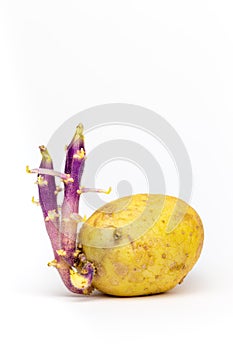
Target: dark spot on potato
(182, 232)
(167, 245)
(173, 266)
(164, 256)
(100, 271)
(133, 245)
(176, 267)
(120, 269)
(95, 221)
(116, 234)
(188, 216)
(163, 221)
(156, 277)
(182, 279)
(114, 282)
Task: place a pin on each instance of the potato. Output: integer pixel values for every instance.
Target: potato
(142, 244)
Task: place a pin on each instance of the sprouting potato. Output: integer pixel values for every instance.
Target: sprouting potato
(128, 242)
(136, 245)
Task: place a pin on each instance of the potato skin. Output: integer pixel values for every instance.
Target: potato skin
(129, 243)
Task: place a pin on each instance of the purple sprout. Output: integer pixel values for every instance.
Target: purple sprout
(76, 272)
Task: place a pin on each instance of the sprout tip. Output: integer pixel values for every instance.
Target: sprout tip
(28, 169)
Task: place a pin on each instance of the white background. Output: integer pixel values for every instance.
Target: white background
(60, 57)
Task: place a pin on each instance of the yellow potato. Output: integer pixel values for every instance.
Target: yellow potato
(142, 244)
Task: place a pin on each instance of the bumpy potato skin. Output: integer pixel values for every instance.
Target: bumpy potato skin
(150, 263)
